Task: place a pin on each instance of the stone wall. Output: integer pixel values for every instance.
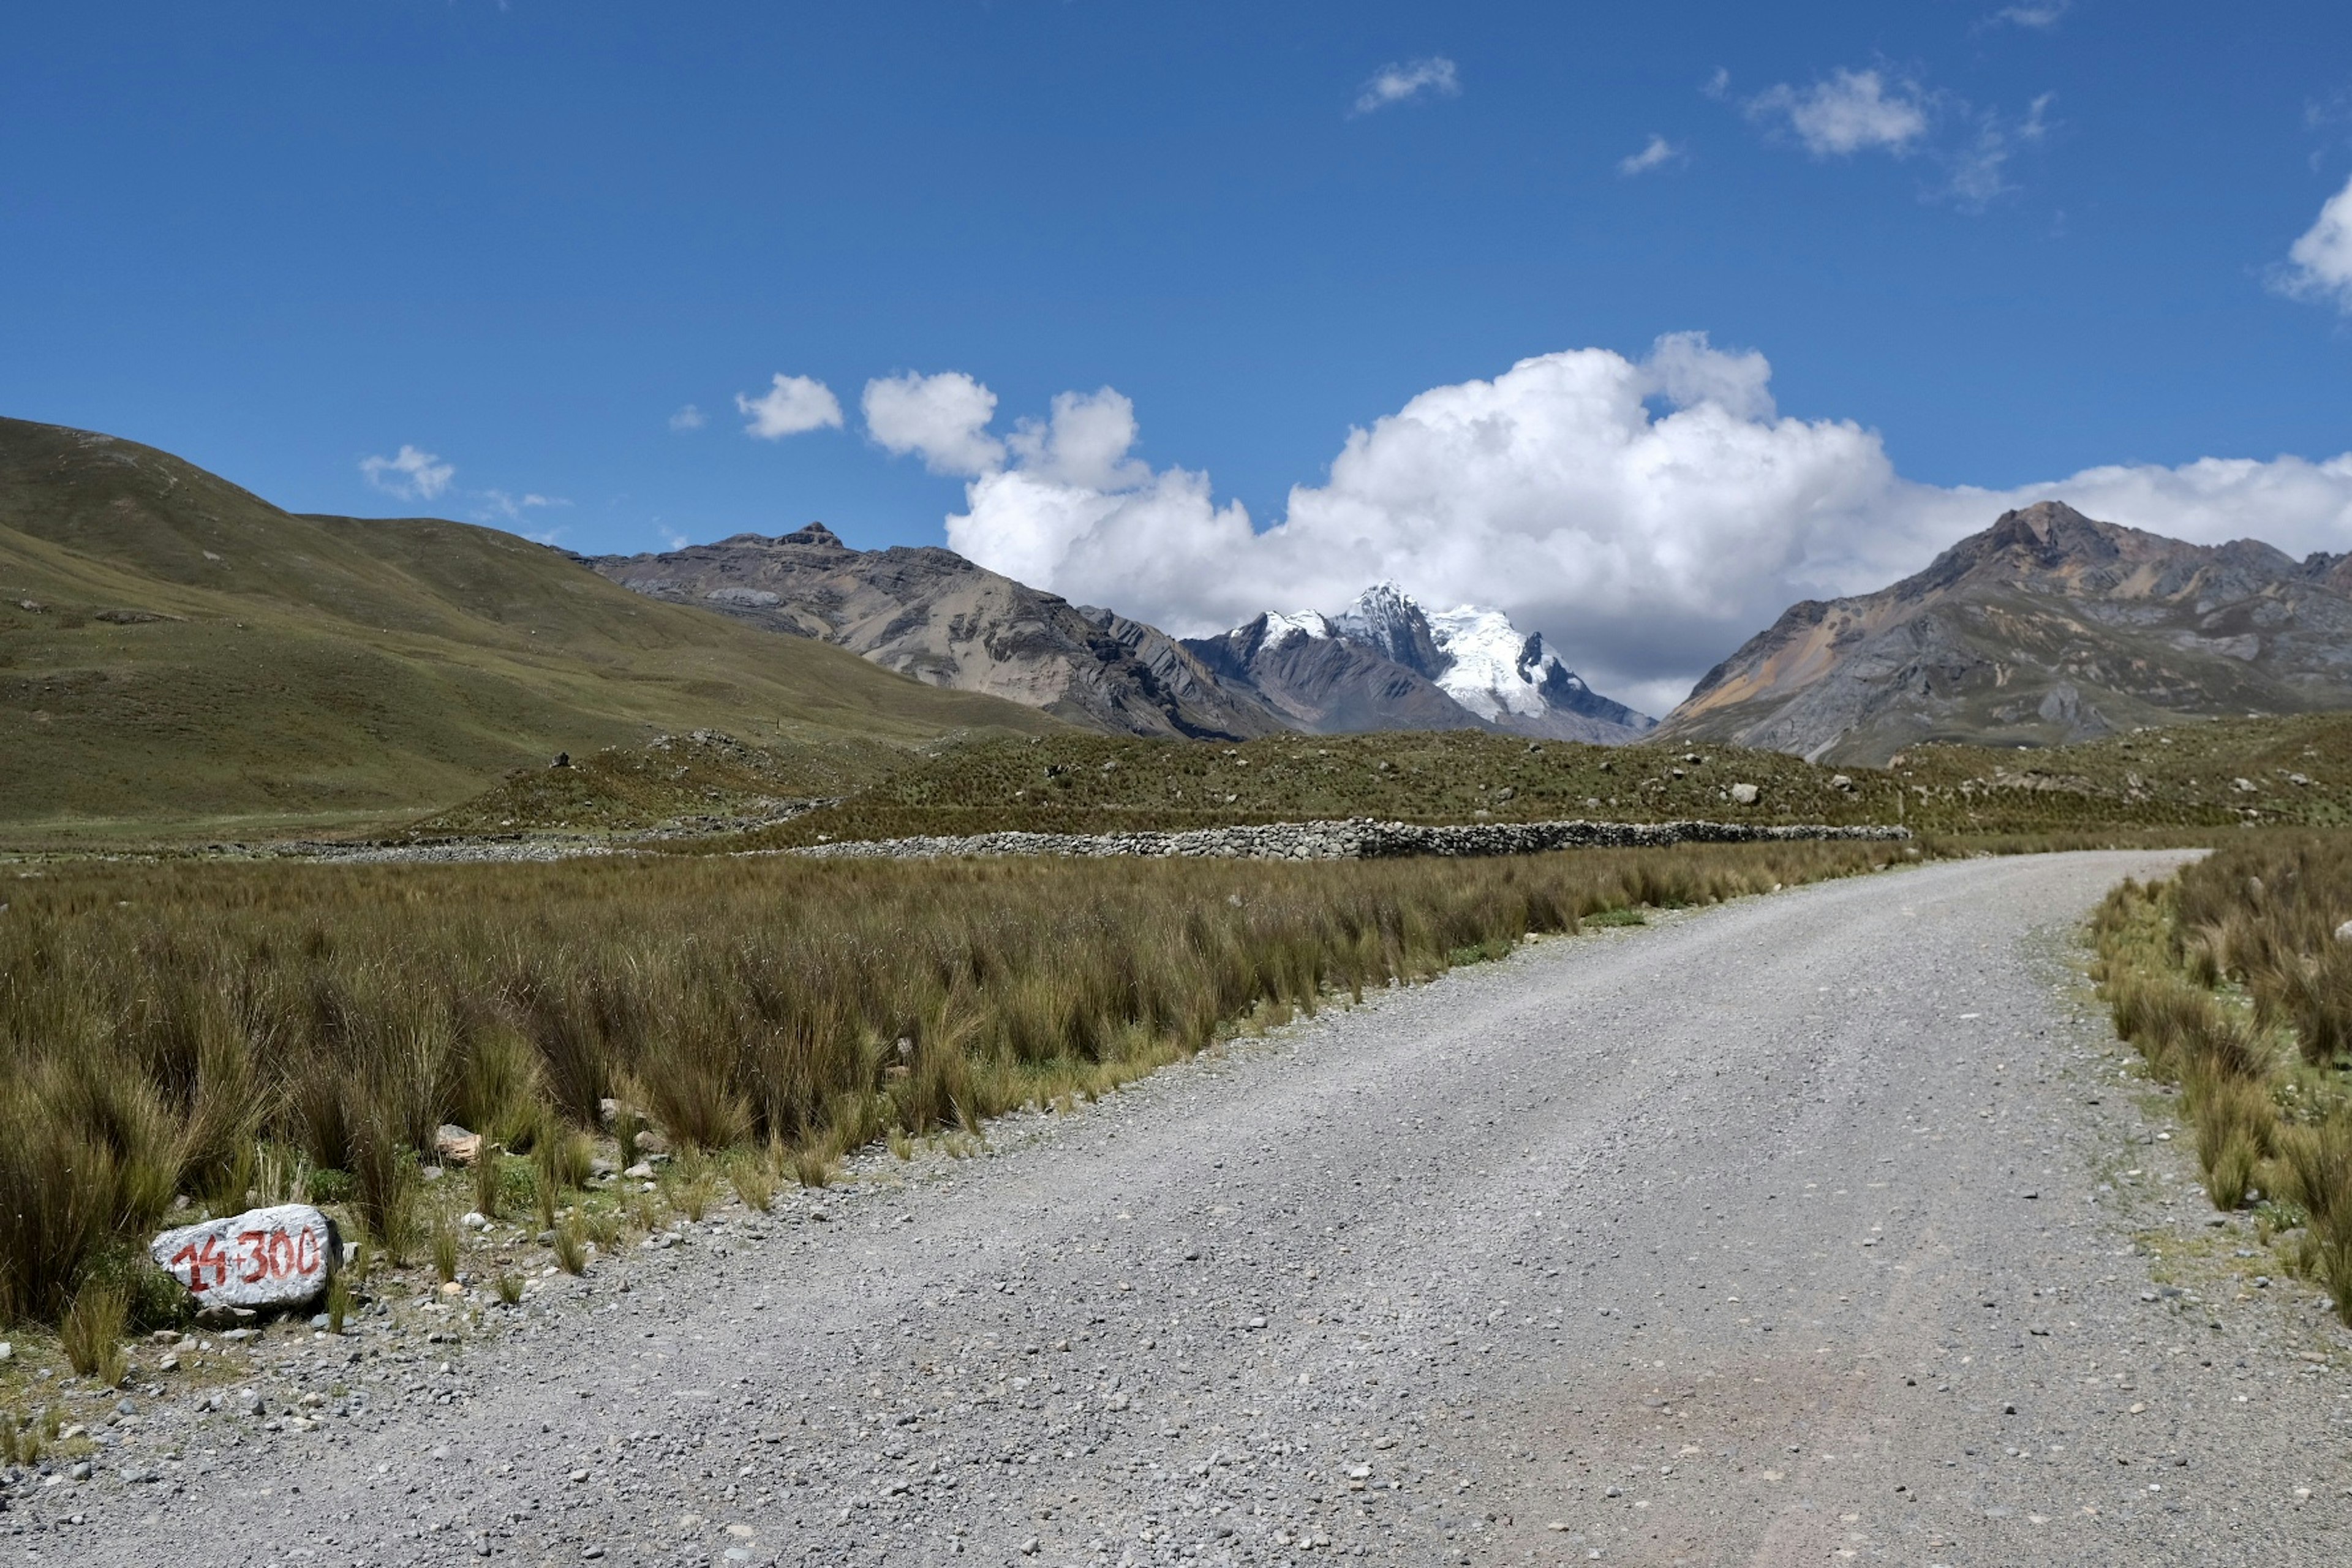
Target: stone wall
(1357, 839)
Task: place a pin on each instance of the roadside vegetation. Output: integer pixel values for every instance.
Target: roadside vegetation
(2234, 981)
(188, 1039)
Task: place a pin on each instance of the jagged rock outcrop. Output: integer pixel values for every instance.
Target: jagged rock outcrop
(2047, 627)
(931, 614)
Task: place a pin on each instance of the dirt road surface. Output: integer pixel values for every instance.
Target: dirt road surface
(1830, 1226)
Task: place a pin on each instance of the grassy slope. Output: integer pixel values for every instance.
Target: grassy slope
(1075, 782)
(305, 669)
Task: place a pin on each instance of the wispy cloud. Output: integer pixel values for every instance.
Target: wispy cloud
(689, 419)
(1435, 77)
(2319, 265)
(1656, 155)
(411, 474)
(512, 508)
(791, 406)
(2040, 15)
(1847, 111)
(1980, 169)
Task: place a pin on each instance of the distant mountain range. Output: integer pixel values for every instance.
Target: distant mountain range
(174, 648)
(2046, 627)
(931, 614)
(1382, 664)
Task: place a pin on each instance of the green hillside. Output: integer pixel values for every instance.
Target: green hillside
(178, 656)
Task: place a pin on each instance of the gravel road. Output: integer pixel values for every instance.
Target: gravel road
(1826, 1227)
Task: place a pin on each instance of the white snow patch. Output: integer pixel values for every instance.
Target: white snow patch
(1308, 623)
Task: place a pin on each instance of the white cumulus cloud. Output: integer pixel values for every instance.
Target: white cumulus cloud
(792, 405)
(941, 418)
(1848, 112)
(689, 419)
(411, 474)
(2319, 265)
(1646, 515)
(1659, 153)
(1393, 84)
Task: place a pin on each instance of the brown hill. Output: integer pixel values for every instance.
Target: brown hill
(174, 650)
(2047, 627)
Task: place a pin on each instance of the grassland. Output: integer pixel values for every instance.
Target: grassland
(2233, 981)
(180, 1032)
(2186, 779)
(179, 659)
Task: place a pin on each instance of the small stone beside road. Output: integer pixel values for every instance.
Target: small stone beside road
(282, 1256)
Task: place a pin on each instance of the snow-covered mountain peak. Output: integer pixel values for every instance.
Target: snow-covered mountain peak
(1474, 655)
(1386, 619)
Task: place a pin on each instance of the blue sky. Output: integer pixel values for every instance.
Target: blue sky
(2005, 246)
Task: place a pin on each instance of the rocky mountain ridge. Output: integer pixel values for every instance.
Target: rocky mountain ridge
(931, 614)
(2047, 627)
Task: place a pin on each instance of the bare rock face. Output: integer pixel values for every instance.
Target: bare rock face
(2047, 627)
(279, 1257)
(931, 614)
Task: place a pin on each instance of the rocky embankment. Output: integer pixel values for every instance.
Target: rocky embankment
(1357, 839)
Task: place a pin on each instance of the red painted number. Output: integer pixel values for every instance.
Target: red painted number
(261, 1254)
(194, 1274)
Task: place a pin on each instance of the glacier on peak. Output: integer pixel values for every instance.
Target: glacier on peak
(1473, 654)
(1492, 667)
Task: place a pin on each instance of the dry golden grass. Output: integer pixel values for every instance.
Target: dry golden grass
(2232, 982)
(91, 1334)
(163, 1028)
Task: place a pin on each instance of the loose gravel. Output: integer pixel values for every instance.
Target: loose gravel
(1831, 1226)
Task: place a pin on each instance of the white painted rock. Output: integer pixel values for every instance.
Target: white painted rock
(278, 1257)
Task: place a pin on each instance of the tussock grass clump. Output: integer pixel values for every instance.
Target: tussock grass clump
(219, 1030)
(445, 1248)
(571, 1245)
(2317, 1162)
(691, 1186)
(508, 1288)
(489, 1195)
(91, 1334)
(754, 1179)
